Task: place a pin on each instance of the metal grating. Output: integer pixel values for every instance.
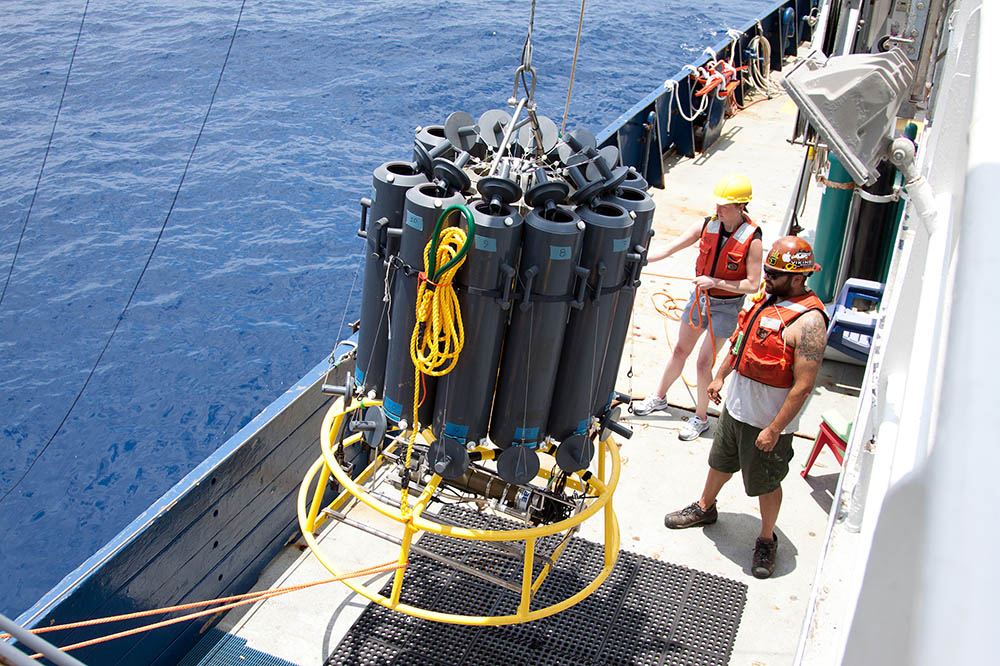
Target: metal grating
(647, 612)
(218, 648)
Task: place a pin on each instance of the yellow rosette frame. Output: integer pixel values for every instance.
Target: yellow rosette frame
(312, 515)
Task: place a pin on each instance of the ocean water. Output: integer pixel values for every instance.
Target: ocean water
(252, 278)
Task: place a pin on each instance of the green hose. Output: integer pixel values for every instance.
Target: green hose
(470, 223)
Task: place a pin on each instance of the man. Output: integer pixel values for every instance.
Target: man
(776, 351)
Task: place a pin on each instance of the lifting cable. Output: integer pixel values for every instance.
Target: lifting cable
(228, 604)
(347, 304)
(572, 73)
(149, 260)
(48, 147)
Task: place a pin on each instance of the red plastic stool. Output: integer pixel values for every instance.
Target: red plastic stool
(827, 437)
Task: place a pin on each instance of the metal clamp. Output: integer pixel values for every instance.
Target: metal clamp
(366, 203)
(529, 280)
(582, 274)
(506, 297)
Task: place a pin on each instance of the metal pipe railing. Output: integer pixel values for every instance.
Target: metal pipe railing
(11, 656)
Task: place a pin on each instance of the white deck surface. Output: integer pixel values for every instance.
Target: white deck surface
(660, 473)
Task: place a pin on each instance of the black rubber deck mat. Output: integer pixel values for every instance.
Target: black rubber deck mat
(647, 612)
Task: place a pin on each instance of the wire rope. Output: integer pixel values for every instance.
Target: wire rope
(149, 260)
(45, 158)
(347, 305)
(572, 72)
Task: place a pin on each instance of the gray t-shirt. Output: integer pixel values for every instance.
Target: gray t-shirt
(756, 404)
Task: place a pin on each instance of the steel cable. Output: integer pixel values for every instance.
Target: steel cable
(48, 147)
(149, 260)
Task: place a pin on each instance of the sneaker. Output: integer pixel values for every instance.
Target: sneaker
(648, 405)
(690, 516)
(692, 429)
(765, 554)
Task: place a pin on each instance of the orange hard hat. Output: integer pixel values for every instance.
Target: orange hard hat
(791, 254)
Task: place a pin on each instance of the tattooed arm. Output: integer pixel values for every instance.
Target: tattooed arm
(807, 335)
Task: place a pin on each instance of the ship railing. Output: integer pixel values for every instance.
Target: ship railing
(672, 119)
(11, 656)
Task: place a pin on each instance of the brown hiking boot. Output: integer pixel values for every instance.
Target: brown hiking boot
(690, 516)
(765, 555)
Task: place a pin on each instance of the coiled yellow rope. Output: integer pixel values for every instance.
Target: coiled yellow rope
(438, 335)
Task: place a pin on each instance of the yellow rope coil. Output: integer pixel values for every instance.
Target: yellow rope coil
(438, 335)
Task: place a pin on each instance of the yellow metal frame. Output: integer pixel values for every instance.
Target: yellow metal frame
(602, 485)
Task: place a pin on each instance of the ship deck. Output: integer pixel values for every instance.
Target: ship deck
(659, 472)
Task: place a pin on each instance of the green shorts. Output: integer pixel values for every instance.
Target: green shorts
(734, 448)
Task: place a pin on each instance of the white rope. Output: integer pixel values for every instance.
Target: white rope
(671, 86)
(704, 100)
(760, 74)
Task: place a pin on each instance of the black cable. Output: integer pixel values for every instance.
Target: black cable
(38, 182)
(149, 259)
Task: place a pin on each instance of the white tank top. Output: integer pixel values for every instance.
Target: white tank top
(756, 404)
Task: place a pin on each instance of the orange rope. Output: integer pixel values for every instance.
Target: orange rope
(238, 600)
(698, 291)
(671, 307)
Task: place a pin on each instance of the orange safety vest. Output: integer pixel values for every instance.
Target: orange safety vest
(758, 346)
(728, 262)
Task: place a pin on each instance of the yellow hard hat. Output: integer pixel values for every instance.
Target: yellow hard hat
(734, 188)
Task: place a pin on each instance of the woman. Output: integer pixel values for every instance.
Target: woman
(728, 267)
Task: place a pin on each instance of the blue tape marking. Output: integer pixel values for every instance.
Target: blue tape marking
(527, 437)
(414, 220)
(620, 244)
(455, 430)
(392, 409)
(486, 244)
(359, 376)
(559, 252)
(581, 427)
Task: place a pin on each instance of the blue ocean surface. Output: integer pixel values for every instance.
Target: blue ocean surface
(251, 281)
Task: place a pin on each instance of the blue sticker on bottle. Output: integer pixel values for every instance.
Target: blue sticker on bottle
(526, 437)
(414, 220)
(559, 252)
(393, 410)
(486, 244)
(359, 376)
(620, 244)
(581, 427)
(455, 430)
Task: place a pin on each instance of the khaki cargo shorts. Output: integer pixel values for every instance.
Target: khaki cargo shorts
(734, 449)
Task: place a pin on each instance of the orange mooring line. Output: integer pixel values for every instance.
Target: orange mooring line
(237, 600)
(669, 306)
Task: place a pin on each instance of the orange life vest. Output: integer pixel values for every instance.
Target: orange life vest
(759, 350)
(728, 262)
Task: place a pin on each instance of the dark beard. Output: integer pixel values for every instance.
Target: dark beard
(781, 289)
